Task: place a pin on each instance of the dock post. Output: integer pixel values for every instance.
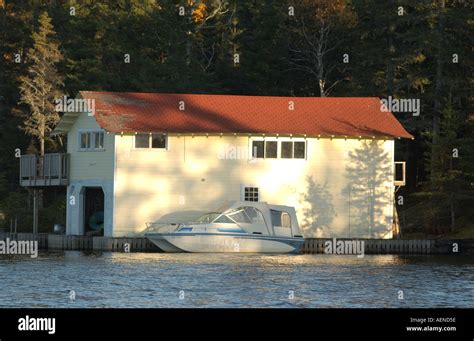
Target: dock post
(35, 211)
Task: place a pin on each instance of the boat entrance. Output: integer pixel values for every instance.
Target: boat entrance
(93, 211)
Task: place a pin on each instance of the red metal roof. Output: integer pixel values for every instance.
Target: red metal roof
(157, 112)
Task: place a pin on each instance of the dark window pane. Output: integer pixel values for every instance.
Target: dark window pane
(85, 140)
(286, 150)
(276, 217)
(271, 148)
(142, 141)
(257, 149)
(300, 151)
(158, 141)
(280, 218)
(99, 140)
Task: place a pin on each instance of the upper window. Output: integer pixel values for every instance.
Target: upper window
(271, 149)
(258, 150)
(293, 150)
(99, 140)
(282, 149)
(287, 150)
(142, 141)
(91, 140)
(155, 141)
(85, 140)
(299, 150)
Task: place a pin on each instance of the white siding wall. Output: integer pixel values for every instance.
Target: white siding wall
(89, 164)
(88, 169)
(343, 189)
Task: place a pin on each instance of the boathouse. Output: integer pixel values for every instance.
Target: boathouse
(136, 158)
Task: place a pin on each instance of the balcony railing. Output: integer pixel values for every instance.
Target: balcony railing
(47, 170)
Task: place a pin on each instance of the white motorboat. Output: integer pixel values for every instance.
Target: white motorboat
(255, 227)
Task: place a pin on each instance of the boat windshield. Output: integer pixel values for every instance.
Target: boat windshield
(208, 217)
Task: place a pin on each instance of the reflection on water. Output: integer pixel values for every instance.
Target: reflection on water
(235, 280)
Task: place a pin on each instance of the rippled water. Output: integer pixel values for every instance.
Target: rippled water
(235, 280)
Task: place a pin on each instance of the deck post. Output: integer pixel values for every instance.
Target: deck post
(60, 168)
(35, 210)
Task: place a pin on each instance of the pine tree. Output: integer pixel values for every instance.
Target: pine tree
(452, 162)
(42, 85)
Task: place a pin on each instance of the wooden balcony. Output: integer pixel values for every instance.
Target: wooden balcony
(49, 170)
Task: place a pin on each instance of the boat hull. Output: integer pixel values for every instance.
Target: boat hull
(206, 242)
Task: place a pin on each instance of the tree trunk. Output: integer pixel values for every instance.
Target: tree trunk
(40, 202)
(321, 80)
(42, 146)
(438, 86)
(320, 61)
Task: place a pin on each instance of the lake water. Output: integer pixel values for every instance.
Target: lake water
(155, 280)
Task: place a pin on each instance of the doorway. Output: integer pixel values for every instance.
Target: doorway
(93, 211)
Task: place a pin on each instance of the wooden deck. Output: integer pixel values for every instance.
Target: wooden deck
(49, 170)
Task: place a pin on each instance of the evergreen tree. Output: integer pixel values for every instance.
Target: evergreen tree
(451, 159)
(42, 85)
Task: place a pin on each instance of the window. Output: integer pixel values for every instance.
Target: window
(271, 148)
(239, 216)
(282, 149)
(258, 149)
(251, 194)
(299, 150)
(280, 218)
(99, 140)
(85, 140)
(224, 220)
(155, 141)
(158, 141)
(91, 140)
(285, 219)
(142, 141)
(255, 215)
(286, 150)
